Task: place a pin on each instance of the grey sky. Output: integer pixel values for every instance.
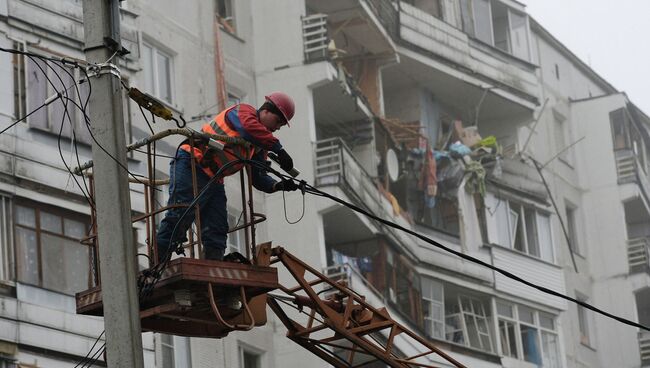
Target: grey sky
(611, 36)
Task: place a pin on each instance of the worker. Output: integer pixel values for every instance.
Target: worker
(255, 126)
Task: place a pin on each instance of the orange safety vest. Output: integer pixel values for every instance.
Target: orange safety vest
(231, 152)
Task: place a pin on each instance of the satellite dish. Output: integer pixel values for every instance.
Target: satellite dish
(392, 165)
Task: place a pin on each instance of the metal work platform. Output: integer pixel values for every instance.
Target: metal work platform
(191, 298)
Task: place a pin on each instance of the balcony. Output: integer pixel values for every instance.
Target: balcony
(427, 34)
(336, 165)
(637, 254)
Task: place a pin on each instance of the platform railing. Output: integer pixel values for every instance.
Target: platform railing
(151, 185)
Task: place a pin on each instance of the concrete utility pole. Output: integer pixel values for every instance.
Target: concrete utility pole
(117, 253)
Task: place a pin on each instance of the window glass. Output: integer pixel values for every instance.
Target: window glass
(52, 263)
(530, 344)
(164, 76)
(547, 321)
(27, 255)
(531, 232)
(519, 35)
(74, 229)
(505, 310)
(147, 68)
(526, 315)
(550, 350)
(544, 235)
(507, 331)
(482, 21)
(51, 223)
(25, 216)
(36, 92)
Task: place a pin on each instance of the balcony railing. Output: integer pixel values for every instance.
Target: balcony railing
(637, 253)
(644, 348)
(314, 36)
(335, 165)
(626, 166)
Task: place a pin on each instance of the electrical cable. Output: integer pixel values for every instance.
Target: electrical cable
(64, 101)
(312, 190)
(284, 205)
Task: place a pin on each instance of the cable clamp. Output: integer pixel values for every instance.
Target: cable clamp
(97, 70)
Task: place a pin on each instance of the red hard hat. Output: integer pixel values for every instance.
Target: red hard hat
(284, 103)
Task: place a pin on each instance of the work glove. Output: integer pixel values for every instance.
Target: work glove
(286, 163)
(286, 185)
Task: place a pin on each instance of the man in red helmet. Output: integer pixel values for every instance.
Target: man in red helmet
(253, 125)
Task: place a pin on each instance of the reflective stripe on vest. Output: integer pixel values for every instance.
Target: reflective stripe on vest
(231, 152)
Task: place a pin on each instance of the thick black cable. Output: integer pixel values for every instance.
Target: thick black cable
(312, 190)
(30, 113)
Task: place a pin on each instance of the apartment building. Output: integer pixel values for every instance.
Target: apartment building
(383, 90)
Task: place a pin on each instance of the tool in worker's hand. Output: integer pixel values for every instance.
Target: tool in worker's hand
(154, 105)
(293, 172)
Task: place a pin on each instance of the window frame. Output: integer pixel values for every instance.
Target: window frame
(227, 22)
(243, 349)
(521, 211)
(22, 98)
(155, 82)
(63, 214)
(535, 324)
(584, 328)
(429, 322)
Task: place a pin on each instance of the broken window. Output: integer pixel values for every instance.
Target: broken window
(48, 249)
(466, 320)
(225, 14)
(527, 334)
(524, 228)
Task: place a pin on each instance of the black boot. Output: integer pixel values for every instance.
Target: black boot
(215, 254)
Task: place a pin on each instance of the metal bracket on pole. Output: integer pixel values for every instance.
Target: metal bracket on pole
(97, 70)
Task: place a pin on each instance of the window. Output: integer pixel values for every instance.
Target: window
(433, 7)
(583, 320)
(466, 321)
(433, 308)
(527, 334)
(7, 265)
(175, 351)
(525, 229)
(158, 72)
(35, 82)
(48, 251)
(498, 25)
(249, 358)
(225, 14)
(477, 20)
(562, 135)
(571, 228)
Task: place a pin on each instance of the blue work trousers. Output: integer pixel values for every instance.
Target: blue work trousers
(212, 204)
